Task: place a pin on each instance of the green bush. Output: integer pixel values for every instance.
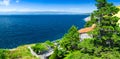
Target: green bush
(87, 45)
(3, 54)
(40, 48)
(78, 55)
(51, 44)
(58, 54)
(54, 55)
(110, 55)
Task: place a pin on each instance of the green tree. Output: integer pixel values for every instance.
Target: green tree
(71, 39)
(78, 55)
(87, 46)
(106, 23)
(106, 36)
(92, 20)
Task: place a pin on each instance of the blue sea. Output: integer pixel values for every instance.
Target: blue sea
(16, 30)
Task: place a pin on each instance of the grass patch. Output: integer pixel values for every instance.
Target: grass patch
(21, 52)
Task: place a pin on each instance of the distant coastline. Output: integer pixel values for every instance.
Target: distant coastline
(43, 13)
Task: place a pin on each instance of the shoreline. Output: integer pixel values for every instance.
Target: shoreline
(87, 19)
(11, 49)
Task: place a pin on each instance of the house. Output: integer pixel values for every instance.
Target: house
(83, 32)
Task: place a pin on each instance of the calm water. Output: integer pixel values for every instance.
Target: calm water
(17, 30)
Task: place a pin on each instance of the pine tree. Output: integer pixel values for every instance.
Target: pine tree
(107, 31)
(70, 39)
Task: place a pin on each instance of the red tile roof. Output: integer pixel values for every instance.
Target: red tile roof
(88, 29)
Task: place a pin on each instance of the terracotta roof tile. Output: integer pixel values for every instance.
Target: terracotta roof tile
(88, 29)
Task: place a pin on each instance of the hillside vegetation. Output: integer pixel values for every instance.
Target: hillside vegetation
(21, 52)
(105, 43)
(118, 14)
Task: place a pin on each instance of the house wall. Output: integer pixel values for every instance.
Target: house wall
(84, 36)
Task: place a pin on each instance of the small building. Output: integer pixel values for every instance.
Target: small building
(83, 32)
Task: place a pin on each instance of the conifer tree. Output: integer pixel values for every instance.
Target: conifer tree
(71, 39)
(107, 31)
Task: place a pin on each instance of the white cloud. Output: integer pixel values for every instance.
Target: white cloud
(5, 2)
(7, 10)
(17, 1)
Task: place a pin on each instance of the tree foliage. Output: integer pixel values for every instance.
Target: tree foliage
(58, 54)
(3, 54)
(106, 35)
(40, 48)
(107, 28)
(78, 55)
(71, 39)
(54, 55)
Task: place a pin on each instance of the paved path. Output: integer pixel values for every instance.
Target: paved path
(42, 57)
(49, 53)
(32, 52)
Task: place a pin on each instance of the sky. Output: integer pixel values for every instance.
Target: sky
(75, 6)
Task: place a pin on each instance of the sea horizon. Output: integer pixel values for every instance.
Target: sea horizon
(43, 13)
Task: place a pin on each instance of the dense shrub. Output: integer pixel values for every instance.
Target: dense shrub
(78, 55)
(3, 54)
(49, 43)
(40, 48)
(71, 39)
